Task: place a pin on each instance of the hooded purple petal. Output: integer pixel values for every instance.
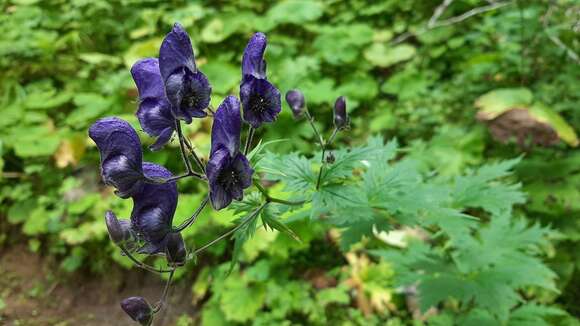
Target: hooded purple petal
(154, 111)
(188, 93)
(176, 52)
(154, 207)
(253, 63)
(228, 177)
(138, 309)
(227, 126)
(260, 100)
(148, 79)
(121, 155)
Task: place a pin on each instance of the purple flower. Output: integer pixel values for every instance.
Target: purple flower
(296, 101)
(138, 309)
(121, 156)
(228, 170)
(154, 112)
(175, 250)
(186, 87)
(341, 119)
(120, 231)
(260, 99)
(153, 210)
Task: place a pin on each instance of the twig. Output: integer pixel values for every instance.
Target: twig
(435, 23)
(555, 39)
(251, 132)
(193, 217)
(141, 264)
(228, 233)
(276, 200)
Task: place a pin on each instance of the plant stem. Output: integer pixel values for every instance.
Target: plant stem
(141, 264)
(273, 199)
(322, 160)
(193, 217)
(165, 291)
(196, 158)
(228, 233)
(311, 121)
(182, 146)
(251, 132)
(175, 178)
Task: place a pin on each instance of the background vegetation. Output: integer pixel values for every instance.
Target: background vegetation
(428, 73)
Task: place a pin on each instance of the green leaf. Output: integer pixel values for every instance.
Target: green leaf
(496, 102)
(240, 301)
(545, 115)
(295, 11)
(379, 54)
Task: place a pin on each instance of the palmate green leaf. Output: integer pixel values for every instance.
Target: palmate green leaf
(480, 190)
(293, 169)
(295, 11)
(270, 220)
(347, 160)
(240, 301)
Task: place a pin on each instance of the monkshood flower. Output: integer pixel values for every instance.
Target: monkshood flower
(341, 119)
(260, 99)
(175, 250)
(186, 87)
(138, 309)
(228, 170)
(121, 156)
(153, 210)
(120, 231)
(154, 111)
(296, 101)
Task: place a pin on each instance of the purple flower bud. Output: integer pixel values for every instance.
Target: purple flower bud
(341, 119)
(296, 101)
(175, 250)
(330, 158)
(119, 230)
(138, 309)
(260, 99)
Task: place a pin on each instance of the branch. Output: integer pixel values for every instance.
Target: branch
(555, 39)
(435, 23)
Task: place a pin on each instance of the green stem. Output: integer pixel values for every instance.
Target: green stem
(322, 160)
(165, 292)
(193, 217)
(182, 146)
(228, 233)
(196, 158)
(251, 132)
(311, 121)
(141, 264)
(276, 200)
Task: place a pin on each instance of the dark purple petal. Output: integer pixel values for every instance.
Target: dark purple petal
(175, 250)
(253, 63)
(228, 177)
(119, 230)
(155, 116)
(164, 138)
(148, 79)
(121, 155)
(296, 101)
(227, 126)
(138, 309)
(242, 168)
(260, 101)
(176, 53)
(154, 207)
(340, 115)
(188, 93)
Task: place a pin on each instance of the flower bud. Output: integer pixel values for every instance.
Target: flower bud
(340, 116)
(119, 231)
(330, 158)
(138, 309)
(175, 250)
(296, 101)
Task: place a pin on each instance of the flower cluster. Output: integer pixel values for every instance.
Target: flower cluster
(171, 90)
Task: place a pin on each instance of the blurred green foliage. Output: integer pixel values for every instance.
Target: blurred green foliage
(66, 63)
